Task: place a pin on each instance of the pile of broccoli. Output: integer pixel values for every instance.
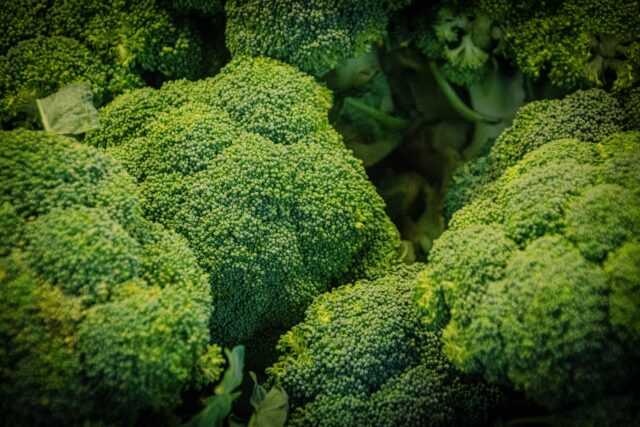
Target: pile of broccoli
(403, 212)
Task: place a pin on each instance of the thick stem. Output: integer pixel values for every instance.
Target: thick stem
(455, 100)
(384, 119)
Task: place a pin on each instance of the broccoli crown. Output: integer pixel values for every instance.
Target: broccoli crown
(103, 314)
(38, 67)
(316, 36)
(136, 35)
(362, 357)
(587, 115)
(536, 281)
(459, 37)
(578, 42)
(251, 173)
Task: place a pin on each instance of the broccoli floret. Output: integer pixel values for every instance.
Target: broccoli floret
(315, 36)
(134, 35)
(623, 271)
(246, 166)
(578, 42)
(362, 357)
(205, 7)
(460, 37)
(272, 99)
(534, 294)
(104, 315)
(588, 115)
(261, 95)
(38, 67)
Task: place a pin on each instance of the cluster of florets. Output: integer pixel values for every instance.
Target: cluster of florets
(362, 357)
(104, 315)
(247, 168)
(46, 45)
(536, 281)
(316, 36)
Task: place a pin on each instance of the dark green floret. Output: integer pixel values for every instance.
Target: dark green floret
(362, 357)
(104, 315)
(536, 279)
(316, 36)
(247, 168)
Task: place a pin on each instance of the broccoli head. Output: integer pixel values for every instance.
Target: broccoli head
(362, 357)
(540, 293)
(460, 37)
(315, 36)
(587, 115)
(104, 315)
(247, 168)
(261, 95)
(579, 42)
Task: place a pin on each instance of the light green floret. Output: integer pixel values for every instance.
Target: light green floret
(362, 357)
(623, 271)
(272, 99)
(553, 339)
(260, 95)
(316, 36)
(546, 302)
(104, 315)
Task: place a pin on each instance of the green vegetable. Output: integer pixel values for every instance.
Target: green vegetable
(315, 36)
(362, 357)
(104, 315)
(534, 282)
(247, 168)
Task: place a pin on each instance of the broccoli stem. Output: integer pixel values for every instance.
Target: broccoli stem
(394, 123)
(370, 154)
(455, 100)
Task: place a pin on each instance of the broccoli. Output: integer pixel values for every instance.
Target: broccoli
(246, 167)
(362, 357)
(573, 43)
(588, 115)
(137, 35)
(579, 42)
(131, 39)
(38, 67)
(460, 37)
(316, 36)
(104, 315)
(534, 282)
(263, 96)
